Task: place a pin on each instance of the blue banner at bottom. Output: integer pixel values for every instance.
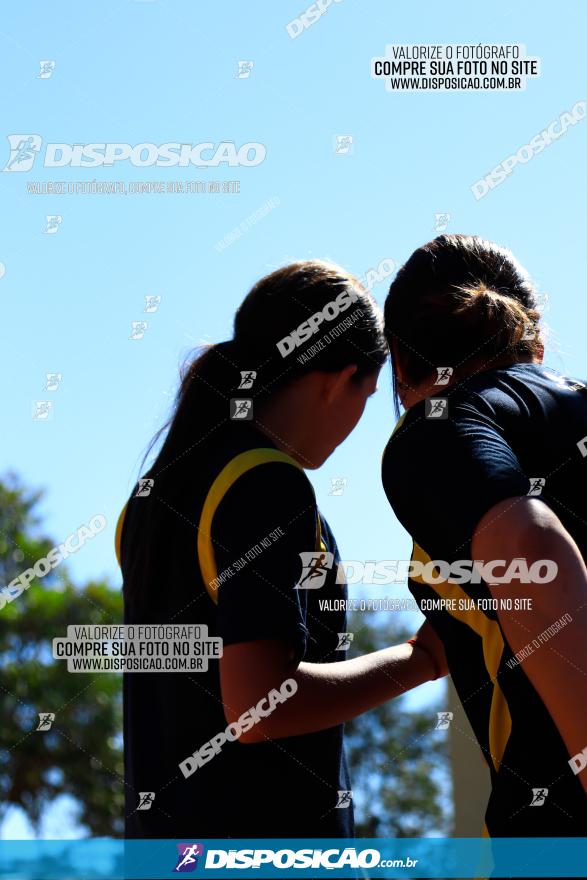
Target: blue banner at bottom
(106, 859)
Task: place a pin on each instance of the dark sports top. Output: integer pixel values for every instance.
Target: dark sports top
(225, 526)
(504, 432)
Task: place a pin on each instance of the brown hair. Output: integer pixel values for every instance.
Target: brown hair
(275, 307)
(463, 302)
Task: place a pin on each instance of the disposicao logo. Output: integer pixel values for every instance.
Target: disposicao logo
(25, 147)
(187, 859)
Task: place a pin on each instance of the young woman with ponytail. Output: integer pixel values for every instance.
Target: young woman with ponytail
(489, 463)
(223, 531)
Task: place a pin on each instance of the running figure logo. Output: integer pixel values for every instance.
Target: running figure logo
(137, 330)
(436, 408)
(345, 799)
(539, 796)
(146, 799)
(42, 410)
(536, 486)
(337, 485)
(247, 379)
(53, 381)
(53, 223)
(315, 568)
(23, 151)
(244, 70)
(187, 860)
(152, 303)
(144, 488)
(46, 71)
(444, 374)
(344, 641)
(241, 409)
(444, 719)
(441, 221)
(343, 144)
(46, 719)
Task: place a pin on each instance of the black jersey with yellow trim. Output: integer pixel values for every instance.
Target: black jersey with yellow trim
(221, 540)
(505, 429)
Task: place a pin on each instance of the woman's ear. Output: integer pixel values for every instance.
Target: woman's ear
(336, 383)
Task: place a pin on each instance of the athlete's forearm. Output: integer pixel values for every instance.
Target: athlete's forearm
(332, 693)
(555, 661)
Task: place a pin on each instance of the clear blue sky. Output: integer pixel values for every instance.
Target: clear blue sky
(133, 72)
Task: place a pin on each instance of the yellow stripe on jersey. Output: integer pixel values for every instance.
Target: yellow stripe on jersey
(500, 721)
(118, 535)
(225, 479)
(399, 422)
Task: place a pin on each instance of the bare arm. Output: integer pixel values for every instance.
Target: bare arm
(527, 528)
(328, 693)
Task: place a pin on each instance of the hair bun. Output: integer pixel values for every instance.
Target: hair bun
(481, 291)
(492, 313)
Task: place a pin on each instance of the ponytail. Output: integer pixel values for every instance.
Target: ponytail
(307, 316)
(493, 320)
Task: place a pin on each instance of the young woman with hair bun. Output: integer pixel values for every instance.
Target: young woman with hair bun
(489, 464)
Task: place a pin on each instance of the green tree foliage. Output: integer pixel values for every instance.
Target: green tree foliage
(81, 754)
(398, 762)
